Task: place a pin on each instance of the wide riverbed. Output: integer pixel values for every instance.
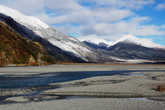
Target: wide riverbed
(82, 87)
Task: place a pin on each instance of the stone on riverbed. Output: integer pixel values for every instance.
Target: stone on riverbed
(161, 88)
(19, 99)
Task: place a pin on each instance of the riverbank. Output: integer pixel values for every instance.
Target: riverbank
(75, 85)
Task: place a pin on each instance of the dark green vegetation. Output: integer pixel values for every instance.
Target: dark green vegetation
(15, 49)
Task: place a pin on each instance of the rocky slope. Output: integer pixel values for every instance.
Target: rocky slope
(59, 54)
(15, 49)
(131, 49)
(71, 45)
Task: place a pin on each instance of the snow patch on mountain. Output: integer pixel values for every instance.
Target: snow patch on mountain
(69, 46)
(22, 19)
(41, 29)
(139, 41)
(132, 60)
(64, 42)
(94, 39)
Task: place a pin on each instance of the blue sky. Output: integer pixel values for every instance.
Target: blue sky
(105, 19)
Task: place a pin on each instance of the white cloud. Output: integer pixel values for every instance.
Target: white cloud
(63, 6)
(160, 6)
(134, 4)
(115, 30)
(163, 26)
(88, 16)
(94, 39)
(30, 7)
(111, 21)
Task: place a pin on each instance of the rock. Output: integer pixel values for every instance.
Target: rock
(32, 60)
(161, 88)
(17, 50)
(17, 99)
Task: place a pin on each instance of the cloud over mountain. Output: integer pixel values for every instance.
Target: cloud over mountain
(108, 19)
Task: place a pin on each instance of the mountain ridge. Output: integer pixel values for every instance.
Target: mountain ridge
(29, 34)
(15, 49)
(139, 41)
(58, 39)
(68, 49)
(22, 19)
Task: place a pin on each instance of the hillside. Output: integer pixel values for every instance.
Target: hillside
(59, 54)
(32, 25)
(14, 49)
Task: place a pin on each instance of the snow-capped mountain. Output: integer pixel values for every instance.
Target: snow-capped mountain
(94, 39)
(125, 50)
(89, 49)
(139, 41)
(126, 38)
(22, 19)
(57, 53)
(65, 42)
(41, 29)
(130, 49)
(95, 42)
(96, 46)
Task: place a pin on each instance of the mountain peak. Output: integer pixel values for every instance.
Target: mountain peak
(95, 40)
(139, 41)
(21, 18)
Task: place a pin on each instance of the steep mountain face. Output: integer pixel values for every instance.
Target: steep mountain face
(127, 50)
(66, 43)
(94, 40)
(96, 46)
(130, 49)
(138, 41)
(60, 55)
(71, 45)
(15, 49)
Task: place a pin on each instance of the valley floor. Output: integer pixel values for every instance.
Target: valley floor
(83, 87)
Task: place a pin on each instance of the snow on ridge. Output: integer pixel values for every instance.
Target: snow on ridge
(139, 41)
(126, 38)
(68, 37)
(23, 19)
(132, 60)
(58, 39)
(43, 30)
(64, 42)
(78, 50)
(94, 39)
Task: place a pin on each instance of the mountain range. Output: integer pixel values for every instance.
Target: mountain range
(62, 48)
